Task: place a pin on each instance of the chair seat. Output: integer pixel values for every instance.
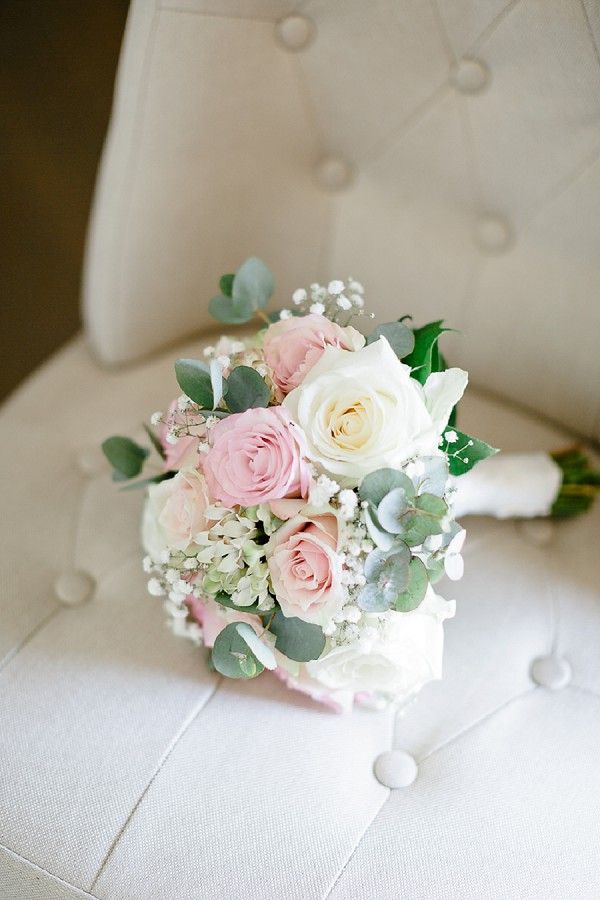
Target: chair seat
(129, 771)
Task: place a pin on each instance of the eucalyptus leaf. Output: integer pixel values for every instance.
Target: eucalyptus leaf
(296, 639)
(464, 451)
(392, 508)
(193, 377)
(246, 389)
(434, 478)
(261, 651)
(145, 482)
(224, 309)
(231, 655)
(425, 359)
(399, 336)
(253, 283)
(376, 485)
(155, 441)
(379, 537)
(413, 596)
(432, 505)
(125, 456)
(226, 284)
(371, 599)
(419, 527)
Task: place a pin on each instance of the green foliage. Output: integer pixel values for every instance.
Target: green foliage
(224, 599)
(125, 456)
(193, 377)
(232, 655)
(580, 484)
(155, 441)
(416, 589)
(226, 284)
(298, 640)
(388, 574)
(400, 338)
(376, 485)
(425, 358)
(464, 451)
(246, 389)
(243, 293)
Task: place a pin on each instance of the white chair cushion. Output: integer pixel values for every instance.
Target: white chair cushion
(130, 772)
(472, 132)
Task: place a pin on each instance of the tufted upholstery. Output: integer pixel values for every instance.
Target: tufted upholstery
(128, 771)
(467, 135)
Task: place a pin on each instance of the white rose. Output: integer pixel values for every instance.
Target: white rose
(397, 660)
(174, 513)
(361, 411)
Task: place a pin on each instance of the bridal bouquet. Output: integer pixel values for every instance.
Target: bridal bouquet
(303, 509)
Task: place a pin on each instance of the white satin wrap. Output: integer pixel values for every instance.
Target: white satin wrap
(508, 485)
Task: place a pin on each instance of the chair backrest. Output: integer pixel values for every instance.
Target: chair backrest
(444, 152)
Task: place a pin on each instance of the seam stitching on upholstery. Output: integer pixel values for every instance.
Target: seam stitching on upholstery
(164, 758)
(29, 862)
(590, 31)
(486, 717)
(355, 848)
(487, 32)
(14, 651)
(140, 115)
(563, 186)
(165, 7)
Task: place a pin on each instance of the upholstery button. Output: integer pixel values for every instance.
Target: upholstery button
(537, 531)
(73, 588)
(553, 672)
(295, 32)
(395, 769)
(333, 173)
(91, 461)
(470, 75)
(493, 233)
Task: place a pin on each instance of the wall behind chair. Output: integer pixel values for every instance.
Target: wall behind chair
(57, 66)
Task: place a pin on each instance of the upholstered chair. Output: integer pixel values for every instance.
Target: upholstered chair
(447, 154)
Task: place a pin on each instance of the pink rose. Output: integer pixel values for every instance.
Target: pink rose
(175, 512)
(306, 569)
(256, 456)
(183, 454)
(293, 346)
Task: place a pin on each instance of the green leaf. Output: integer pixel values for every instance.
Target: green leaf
(261, 651)
(246, 389)
(232, 656)
(432, 505)
(223, 309)
(420, 526)
(144, 482)
(392, 508)
(377, 484)
(226, 284)
(416, 590)
(381, 538)
(464, 451)
(155, 441)
(423, 359)
(372, 600)
(193, 377)
(399, 336)
(125, 456)
(253, 284)
(298, 640)
(225, 600)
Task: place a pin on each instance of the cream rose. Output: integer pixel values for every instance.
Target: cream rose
(395, 660)
(361, 411)
(174, 513)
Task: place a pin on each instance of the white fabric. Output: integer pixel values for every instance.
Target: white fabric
(508, 485)
(128, 771)
(475, 199)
